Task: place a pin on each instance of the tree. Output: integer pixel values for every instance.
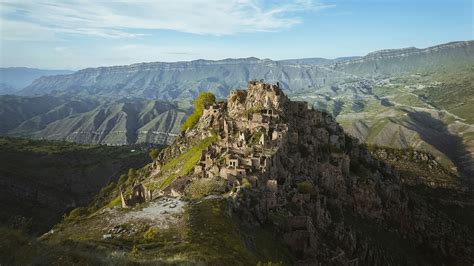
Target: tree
(203, 100)
(154, 153)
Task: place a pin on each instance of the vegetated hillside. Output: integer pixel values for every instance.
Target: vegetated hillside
(427, 180)
(396, 61)
(418, 168)
(33, 113)
(428, 111)
(119, 123)
(263, 179)
(16, 78)
(90, 121)
(42, 180)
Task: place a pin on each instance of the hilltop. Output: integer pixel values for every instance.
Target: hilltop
(256, 179)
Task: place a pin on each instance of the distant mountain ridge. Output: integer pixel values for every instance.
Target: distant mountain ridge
(184, 80)
(396, 61)
(13, 79)
(90, 121)
(181, 80)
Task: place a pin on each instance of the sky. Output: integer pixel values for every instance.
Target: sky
(77, 34)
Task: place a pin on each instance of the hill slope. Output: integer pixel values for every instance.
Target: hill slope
(90, 121)
(41, 180)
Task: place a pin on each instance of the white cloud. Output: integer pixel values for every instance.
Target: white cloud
(120, 18)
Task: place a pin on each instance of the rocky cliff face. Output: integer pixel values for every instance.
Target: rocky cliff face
(417, 167)
(332, 202)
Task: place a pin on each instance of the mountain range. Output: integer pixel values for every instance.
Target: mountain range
(260, 179)
(400, 98)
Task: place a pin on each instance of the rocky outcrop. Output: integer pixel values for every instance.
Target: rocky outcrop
(332, 202)
(419, 168)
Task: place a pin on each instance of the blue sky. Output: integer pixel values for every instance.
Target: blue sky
(85, 33)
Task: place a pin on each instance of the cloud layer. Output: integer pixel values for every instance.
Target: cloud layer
(38, 20)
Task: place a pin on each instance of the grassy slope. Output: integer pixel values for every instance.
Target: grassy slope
(455, 93)
(182, 164)
(206, 234)
(43, 179)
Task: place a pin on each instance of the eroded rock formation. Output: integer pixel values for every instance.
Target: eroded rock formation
(325, 194)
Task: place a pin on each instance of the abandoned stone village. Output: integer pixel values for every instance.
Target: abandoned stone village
(295, 167)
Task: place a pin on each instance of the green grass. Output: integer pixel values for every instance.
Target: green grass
(210, 236)
(115, 202)
(206, 234)
(409, 100)
(203, 187)
(184, 163)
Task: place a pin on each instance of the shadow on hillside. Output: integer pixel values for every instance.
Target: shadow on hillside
(436, 133)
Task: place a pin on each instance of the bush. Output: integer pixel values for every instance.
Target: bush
(153, 154)
(305, 187)
(122, 179)
(151, 233)
(246, 183)
(132, 173)
(203, 100)
(75, 214)
(202, 187)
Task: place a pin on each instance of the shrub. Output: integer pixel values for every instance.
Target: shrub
(132, 173)
(115, 202)
(75, 214)
(122, 179)
(305, 187)
(153, 153)
(203, 100)
(246, 183)
(202, 187)
(151, 233)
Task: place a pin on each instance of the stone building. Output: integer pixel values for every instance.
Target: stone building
(139, 194)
